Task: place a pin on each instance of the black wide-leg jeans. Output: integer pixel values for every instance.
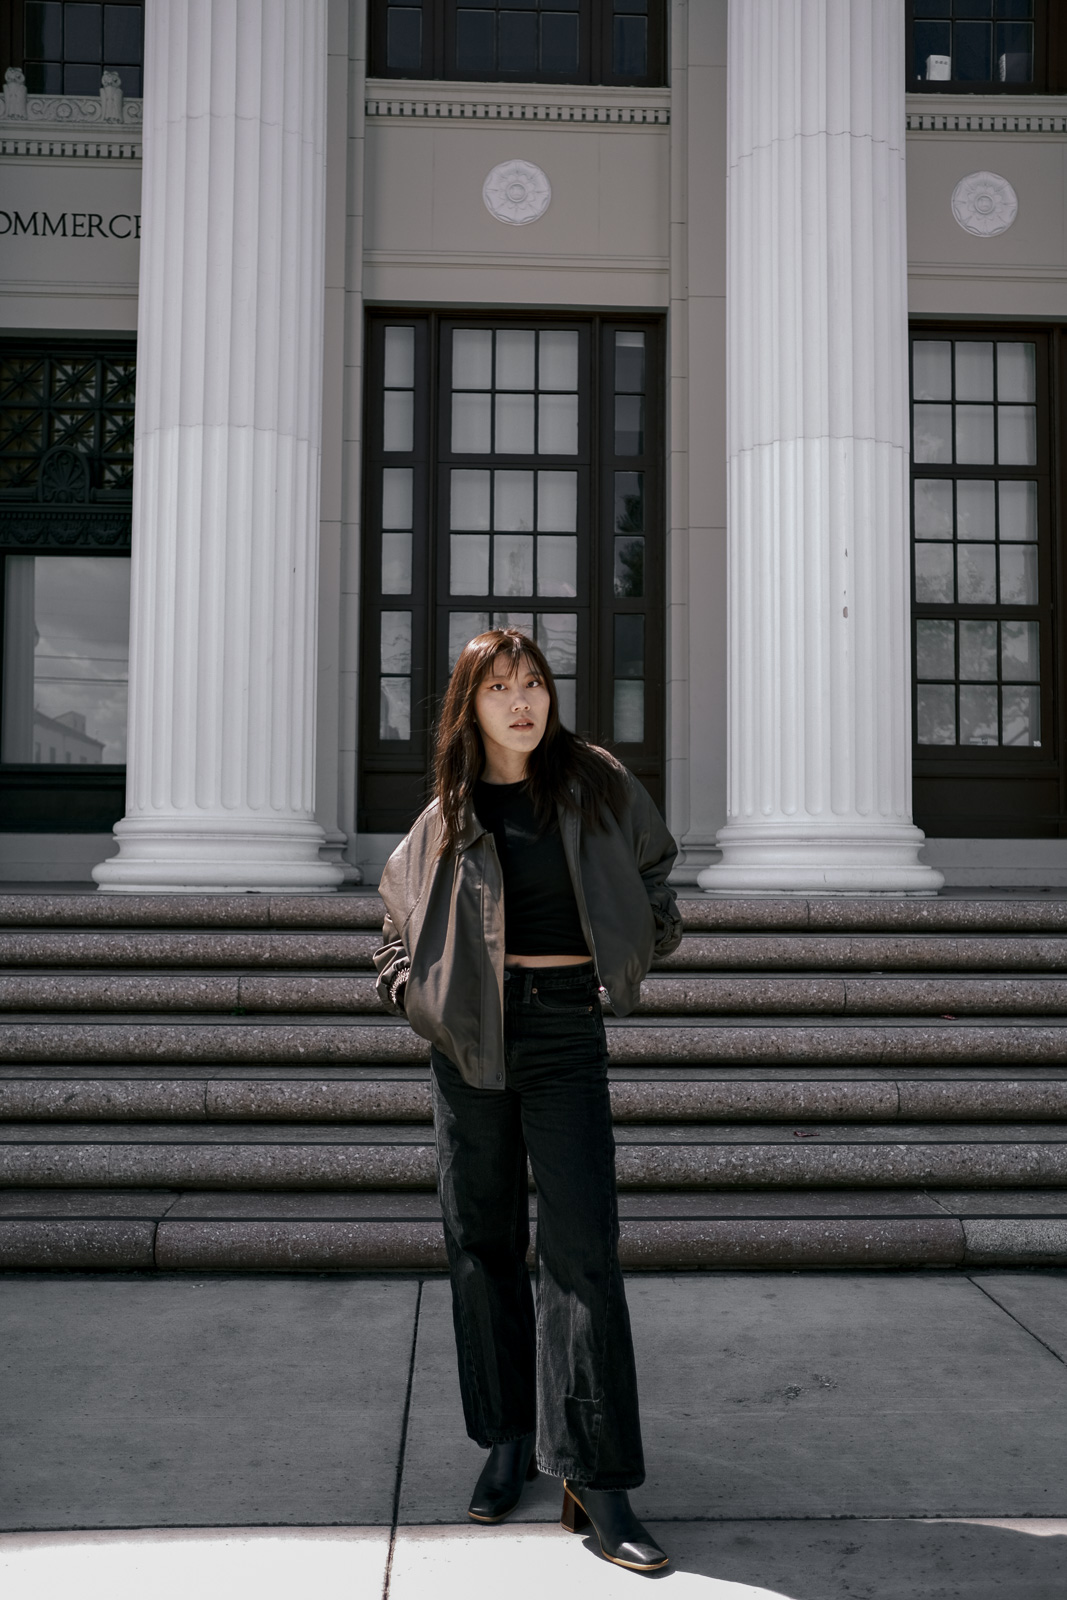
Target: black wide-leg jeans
(566, 1370)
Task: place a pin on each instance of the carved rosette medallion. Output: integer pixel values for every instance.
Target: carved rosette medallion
(984, 204)
(516, 192)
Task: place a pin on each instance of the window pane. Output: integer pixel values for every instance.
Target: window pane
(472, 358)
(513, 501)
(629, 425)
(630, 503)
(629, 647)
(83, 33)
(513, 563)
(1021, 709)
(557, 634)
(462, 627)
(629, 711)
(523, 620)
(515, 424)
(629, 363)
(933, 50)
(1017, 436)
(557, 565)
(403, 45)
(396, 641)
(978, 652)
(973, 63)
(1019, 655)
(976, 512)
(400, 358)
(559, 43)
(559, 358)
(1018, 511)
(470, 499)
(1014, 50)
(978, 715)
(558, 425)
(1015, 372)
(474, 41)
(630, 568)
(933, 574)
(935, 649)
(974, 434)
(81, 77)
(932, 369)
(122, 34)
(974, 370)
(471, 424)
(936, 714)
(396, 497)
(976, 576)
(631, 47)
(1018, 574)
(517, 43)
(396, 563)
(557, 502)
(44, 29)
(66, 659)
(44, 77)
(515, 348)
(394, 715)
(933, 433)
(398, 419)
(469, 568)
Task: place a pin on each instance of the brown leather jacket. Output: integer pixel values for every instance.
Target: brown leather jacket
(442, 962)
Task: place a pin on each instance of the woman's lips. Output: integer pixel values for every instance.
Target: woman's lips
(522, 725)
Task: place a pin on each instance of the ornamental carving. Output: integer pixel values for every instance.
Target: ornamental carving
(984, 204)
(64, 476)
(516, 192)
(67, 530)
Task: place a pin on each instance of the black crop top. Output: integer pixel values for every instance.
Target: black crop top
(540, 911)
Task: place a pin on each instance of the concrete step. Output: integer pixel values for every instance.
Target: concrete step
(647, 1041)
(175, 1230)
(311, 950)
(325, 993)
(401, 1156)
(368, 1096)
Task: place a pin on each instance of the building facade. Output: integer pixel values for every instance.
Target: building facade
(719, 344)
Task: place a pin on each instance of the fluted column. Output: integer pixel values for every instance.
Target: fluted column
(220, 791)
(819, 780)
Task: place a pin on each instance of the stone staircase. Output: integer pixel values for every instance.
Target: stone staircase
(209, 1082)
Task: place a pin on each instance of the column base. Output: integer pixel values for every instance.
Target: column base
(218, 855)
(779, 859)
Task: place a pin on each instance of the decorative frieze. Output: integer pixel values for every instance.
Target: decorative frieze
(59, 124)
(491, 108)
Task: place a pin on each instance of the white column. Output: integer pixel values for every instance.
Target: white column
(220, 791)
(819, 782)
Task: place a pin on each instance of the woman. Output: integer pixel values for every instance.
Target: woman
(537, 873)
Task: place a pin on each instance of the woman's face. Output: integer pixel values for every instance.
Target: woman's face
(511, 708)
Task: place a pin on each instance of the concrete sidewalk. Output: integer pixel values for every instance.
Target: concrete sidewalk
(282, 1434)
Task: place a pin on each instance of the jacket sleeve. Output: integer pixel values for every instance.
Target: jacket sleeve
(393, 965)
(655, 852)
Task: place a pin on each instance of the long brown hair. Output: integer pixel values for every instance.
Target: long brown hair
(560, 757)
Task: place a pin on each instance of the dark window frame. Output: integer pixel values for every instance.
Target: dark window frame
(35, 797)
(393, 776)
(1050, 59)
(983, 791)
(596, 47)
(13, 48)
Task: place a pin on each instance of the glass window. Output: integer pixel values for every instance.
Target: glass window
(69, 43)
(538, 511)
(529, 41)
(976, 45)
(979, 623)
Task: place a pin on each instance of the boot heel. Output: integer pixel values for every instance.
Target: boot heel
(572, 1517)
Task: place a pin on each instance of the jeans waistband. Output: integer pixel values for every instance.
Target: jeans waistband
(521, 983)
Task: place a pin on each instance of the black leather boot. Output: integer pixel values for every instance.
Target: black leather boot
(623, 1539)
(499, 1486)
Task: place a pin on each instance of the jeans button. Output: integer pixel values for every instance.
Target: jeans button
(533, 991)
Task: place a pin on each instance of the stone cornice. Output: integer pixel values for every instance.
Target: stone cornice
(105, 125)
(524, 102)
(990, 113)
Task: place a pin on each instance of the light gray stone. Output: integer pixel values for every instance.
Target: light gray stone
(1038, 1300)
(171, 1401)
